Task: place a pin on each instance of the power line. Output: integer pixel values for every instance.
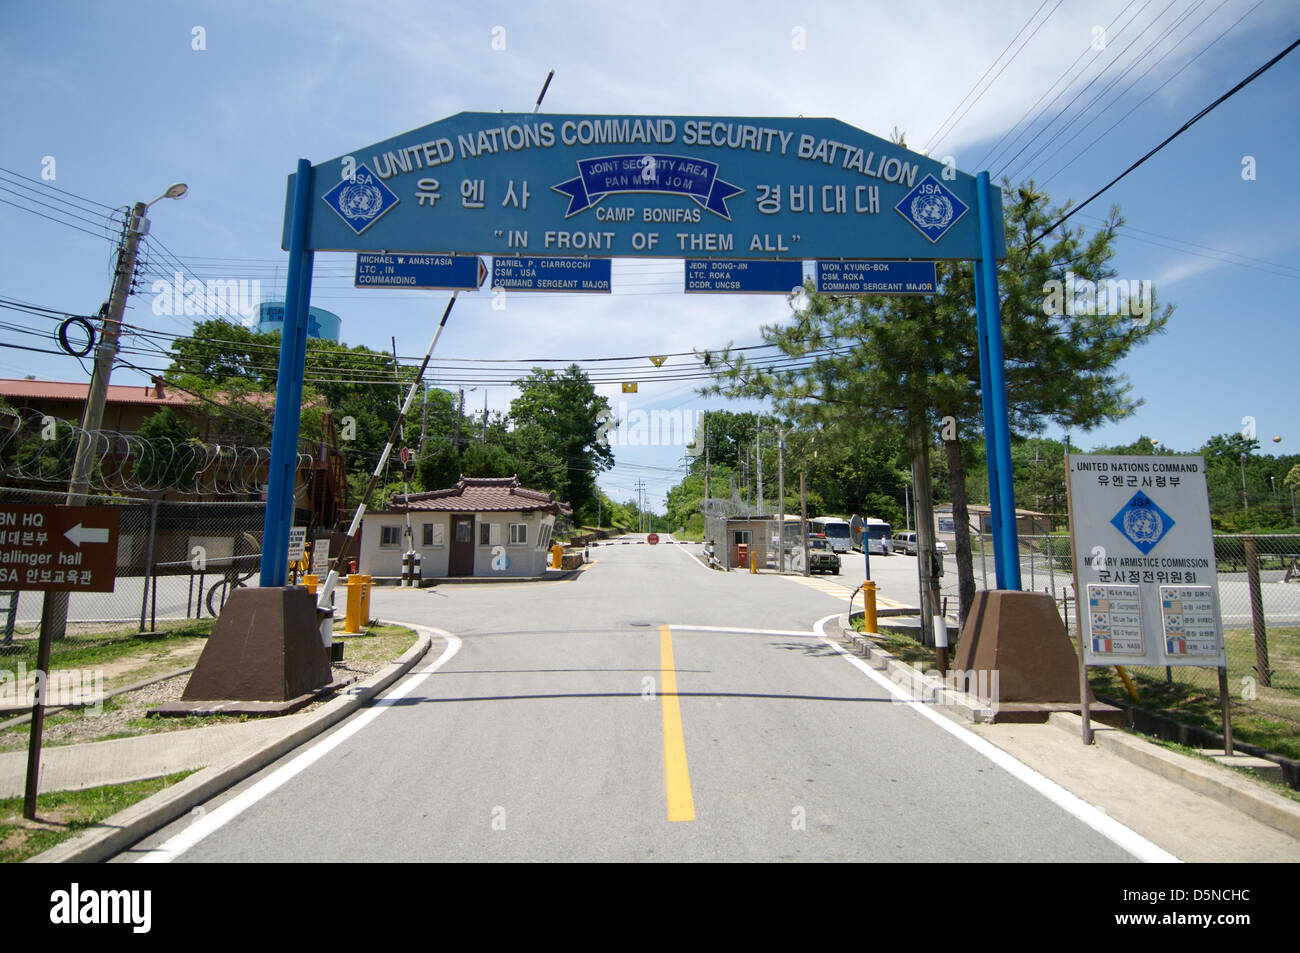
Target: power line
(992, 152)
(1141, 57)
(55, 188)
(940, 133)
(52, 218)
(1087, 86)
(1178, 132)
(1066, 88)
(1171, 78)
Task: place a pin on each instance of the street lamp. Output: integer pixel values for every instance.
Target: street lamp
(54, 610)
(176, 191)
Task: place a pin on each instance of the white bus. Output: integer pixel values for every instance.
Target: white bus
(876, 533)
(834, 529)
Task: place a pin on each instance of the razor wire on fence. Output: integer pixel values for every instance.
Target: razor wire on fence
(37, 448)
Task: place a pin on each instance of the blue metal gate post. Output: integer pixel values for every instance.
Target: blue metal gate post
(990, 434)
(997, 428)
(288, 391)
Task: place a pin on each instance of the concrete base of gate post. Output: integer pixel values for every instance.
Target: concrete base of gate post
(1015, 652)
(265, 649)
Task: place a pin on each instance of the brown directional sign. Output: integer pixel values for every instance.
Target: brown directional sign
(68, 548)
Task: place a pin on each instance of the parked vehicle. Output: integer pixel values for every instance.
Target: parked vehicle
(834, 529)
(821, 557)
(877, 536)
(906, 543)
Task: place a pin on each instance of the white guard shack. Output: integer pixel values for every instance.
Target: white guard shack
(482, 526)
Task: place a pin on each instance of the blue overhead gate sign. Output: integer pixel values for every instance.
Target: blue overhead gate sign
(448, 272)
(743, 277)
(699, 187)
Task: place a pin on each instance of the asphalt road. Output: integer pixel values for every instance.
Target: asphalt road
(648, 709)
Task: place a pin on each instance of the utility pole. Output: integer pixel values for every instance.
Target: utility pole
(803, 520)
(460, 413)
(54, 608)
(484, 415)
(1245, 499)
(706, 460)
(424, 416)
(780, 489)
(758, 460)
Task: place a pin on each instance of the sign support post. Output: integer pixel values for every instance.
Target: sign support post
(288, 390)
(993, 385)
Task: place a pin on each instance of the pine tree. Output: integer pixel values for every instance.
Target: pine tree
(889, 367)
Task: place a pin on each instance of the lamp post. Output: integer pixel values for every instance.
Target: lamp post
(54, 609)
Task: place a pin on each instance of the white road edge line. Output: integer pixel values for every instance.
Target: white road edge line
(1098, 820)
(723, 628)
(210, 823)
(681, 550)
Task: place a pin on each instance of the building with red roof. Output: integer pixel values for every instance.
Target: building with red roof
(482, 526)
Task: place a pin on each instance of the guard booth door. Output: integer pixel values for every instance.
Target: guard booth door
(461, 560)
(739, 537)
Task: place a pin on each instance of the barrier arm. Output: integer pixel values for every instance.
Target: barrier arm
(324, 610)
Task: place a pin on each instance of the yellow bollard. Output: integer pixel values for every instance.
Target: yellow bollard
(869, 607)
(353, 620)
(365, 599)
(557, 556)
(1128, 682)
(311, 581)
(753, 561)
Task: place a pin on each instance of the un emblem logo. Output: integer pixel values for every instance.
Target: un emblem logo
(1143, 526)
(361, 199)
(1142, 522)
(931, 210)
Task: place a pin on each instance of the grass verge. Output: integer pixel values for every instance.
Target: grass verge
(903, 647)
(62, 814)
(1191, 704)
(1174, 746)
(85, 649)
(1199, 707)
(124, 716)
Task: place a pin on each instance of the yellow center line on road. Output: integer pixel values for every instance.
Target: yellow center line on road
(677, 775)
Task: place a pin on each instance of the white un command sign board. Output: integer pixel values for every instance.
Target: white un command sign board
(1144, 563)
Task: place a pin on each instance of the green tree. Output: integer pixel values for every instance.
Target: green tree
(883, 367)
(236, 370)
(439, 466)
(170, 452)
(563, 413)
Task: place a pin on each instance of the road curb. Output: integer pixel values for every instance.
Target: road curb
(925, 686)
(1212, 780)
(118, 832)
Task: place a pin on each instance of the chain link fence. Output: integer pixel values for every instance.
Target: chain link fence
(1259, 603)
(175, 560)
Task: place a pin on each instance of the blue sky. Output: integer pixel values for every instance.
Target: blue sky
(121, 101)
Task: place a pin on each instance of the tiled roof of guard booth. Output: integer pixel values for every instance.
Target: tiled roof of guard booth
(483, 495)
